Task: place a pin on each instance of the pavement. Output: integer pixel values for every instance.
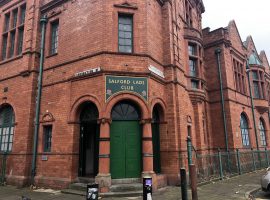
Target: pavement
(236, 188)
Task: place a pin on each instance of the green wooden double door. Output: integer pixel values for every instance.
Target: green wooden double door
(125, 147)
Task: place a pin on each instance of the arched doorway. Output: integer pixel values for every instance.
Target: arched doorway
(125, 134)
(156, 139)
(89, 141)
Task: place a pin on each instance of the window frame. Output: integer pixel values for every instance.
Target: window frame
(12, 44)
(20, 40)
(132, 32)
(54, 38)
(14, 18)
(258, 80)
(47, 138)
(4, 47)
(193, 68)
(244, 131)
(22, 14)
(239, 77)
(262, 133)
(13, 32)
(7, 22)
(193, 83)
(7, 124)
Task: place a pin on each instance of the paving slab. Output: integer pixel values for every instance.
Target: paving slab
(234, 188)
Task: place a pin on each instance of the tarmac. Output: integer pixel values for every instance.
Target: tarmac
(236, 188)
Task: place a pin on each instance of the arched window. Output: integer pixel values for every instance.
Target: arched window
(125, 111)
(6, 128)
(244, 130)
(262, 132)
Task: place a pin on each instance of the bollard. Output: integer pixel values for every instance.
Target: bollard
(193, 180)
(147, 188)
(92, 191)
(183, 176)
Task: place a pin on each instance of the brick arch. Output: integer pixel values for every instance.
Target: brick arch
(161, 103)
(145, 114)
(247, 118)
(76, 107)
(261, 118)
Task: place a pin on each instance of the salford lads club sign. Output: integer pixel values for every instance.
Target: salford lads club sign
(116, 84)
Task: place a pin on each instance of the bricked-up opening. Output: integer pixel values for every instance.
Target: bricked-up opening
(125, 146)
(7, 119)
(157, 111)
(89, 141)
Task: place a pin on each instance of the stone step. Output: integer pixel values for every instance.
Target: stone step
(107, 194)
(74, 192)
(126, 181)
(126, 187)
(85, 180)
(78, 186)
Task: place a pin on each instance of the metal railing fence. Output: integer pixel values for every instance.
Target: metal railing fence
(219, 164)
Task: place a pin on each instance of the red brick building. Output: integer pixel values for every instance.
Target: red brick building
(124, 84)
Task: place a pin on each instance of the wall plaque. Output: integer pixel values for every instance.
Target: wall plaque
(116, 84)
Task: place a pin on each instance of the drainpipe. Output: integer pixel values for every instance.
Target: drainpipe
(43, 22)
(252, 105)
(217, 52)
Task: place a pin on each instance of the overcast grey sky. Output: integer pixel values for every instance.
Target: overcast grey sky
(252, 17)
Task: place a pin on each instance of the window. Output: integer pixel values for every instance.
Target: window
(194, 84)
(22, 15)
(7, 18)
(188, 13)
(195, 64)
(20, 41)
(4, 47)
(192, 68)
(6, 128)
(239, 77)
(191, 50)
(54, 37)
(258, 84)
(12, 40)
(12, 44)
(256, 90)
(15, 17)
(255, 75)
(244, 130)
(125, 34)
(47, 138)
(262, 132)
